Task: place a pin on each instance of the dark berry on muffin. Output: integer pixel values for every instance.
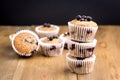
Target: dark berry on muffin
(66, 46)
(89, 31)
(79, 58)
(79, 65)
(34, 51)
(72, 47)
(90, 49)
(52, 47)
(55, 37)
(66, 33)
(50, 38)
(89, 18)
(78, 17)
(46, 24)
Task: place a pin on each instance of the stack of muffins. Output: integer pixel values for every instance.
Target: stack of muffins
(81, 44)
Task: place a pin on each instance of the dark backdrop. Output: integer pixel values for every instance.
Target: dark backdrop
(28, 12)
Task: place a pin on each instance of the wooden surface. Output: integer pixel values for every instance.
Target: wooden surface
(38, 67)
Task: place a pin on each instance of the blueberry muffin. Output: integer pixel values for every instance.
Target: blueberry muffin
(25, 43)
(82, 28)
(82, 50)
(47, 30)
(51, 46)
(81, 65)
(65, 36)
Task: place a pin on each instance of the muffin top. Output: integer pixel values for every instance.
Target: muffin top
(47, 27)
(51, 40)
(25, 43)
(83, 21)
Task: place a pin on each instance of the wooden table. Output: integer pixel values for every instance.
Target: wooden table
(38, 67)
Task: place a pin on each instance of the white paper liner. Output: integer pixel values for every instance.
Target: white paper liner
(65, 39)
(79, 33)
(82, 50)
(11, 37)
(22, 31)
(45, 48)
(87, 66)
(47, 33)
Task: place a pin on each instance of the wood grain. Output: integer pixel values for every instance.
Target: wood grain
(39, 67)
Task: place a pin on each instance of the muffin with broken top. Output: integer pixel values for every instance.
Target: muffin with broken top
(51, 46)
(47, 30)
(25, 43)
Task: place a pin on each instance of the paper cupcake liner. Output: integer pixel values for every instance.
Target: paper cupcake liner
(47, 49)
(11, 37)
(82, 33)
(65, 39)
(47, 33)
(81, 66)
(82, 50)
(22, 31)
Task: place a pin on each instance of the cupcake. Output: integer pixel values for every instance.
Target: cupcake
(82, 28)
(82, 50)
(80, 65)
(65, 36)
(51, 46)
(47, 30)
(25, 43)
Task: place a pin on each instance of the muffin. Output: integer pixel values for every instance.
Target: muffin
(65, 36)
(80, 65)
(82, 28)
(51, 46)
(47, 30)
(25, 43)
(82, 50)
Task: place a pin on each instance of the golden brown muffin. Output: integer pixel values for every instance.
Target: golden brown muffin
(25, 43)
(47, 30)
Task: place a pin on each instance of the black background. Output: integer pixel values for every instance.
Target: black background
(35, 12)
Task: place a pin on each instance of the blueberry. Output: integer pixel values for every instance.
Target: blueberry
(89, 18)
(83, 16)
(79, 65)
(72, 47)
(65, 34)
(90, 49)
(82, 36)
(52, 47)
(33, 51)
(55, 36)
(79, 58)
(50, 38)
(65, 46)
(46, 24)
(78, 17)
(68, 33)
(89, 31)
(36, 43)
